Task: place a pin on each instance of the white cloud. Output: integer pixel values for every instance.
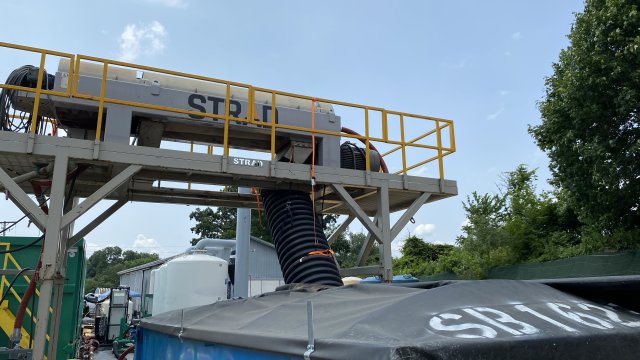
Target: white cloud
(145, 244)
(516, 36)
(91, 247)
(170, 3)
(423, 230)
(503, 92)
(142, 39)
(507, 53)
(495, 114)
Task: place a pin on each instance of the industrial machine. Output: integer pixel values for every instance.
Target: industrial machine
(151, 126)
(101, 129)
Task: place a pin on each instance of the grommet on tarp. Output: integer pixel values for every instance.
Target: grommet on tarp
(413, 221)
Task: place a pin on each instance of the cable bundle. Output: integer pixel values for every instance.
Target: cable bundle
(24, 76)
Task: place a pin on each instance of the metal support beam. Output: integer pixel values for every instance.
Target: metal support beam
(341, 229)
(357, 211)
(365, 250)
(23, 201)
(384, 222)
(50, 253)
(100, 194)
(408, 214)
(95, 222)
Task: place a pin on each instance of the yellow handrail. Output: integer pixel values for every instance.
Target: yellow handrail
(441, 149)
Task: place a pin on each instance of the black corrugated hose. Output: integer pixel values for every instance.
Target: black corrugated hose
(291, 221)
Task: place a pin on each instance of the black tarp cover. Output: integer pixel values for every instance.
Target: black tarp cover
(492, 319)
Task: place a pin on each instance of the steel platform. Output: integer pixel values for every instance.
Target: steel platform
(21, 153)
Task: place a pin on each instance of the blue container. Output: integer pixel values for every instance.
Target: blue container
(152, 345)
(406, 278)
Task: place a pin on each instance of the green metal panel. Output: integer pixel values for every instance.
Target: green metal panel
(73, 291)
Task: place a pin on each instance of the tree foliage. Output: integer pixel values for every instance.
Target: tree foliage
(516, 225)
(221, 222)
(347, 249)
(103, 265)
(590, 127)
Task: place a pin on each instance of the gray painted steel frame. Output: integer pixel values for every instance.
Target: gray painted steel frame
(138, 162)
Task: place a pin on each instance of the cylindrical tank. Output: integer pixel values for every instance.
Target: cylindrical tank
(158, 290)
(192, 280)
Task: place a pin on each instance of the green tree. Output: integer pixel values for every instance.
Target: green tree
(221, 222)
(347, 249)
(419, 257)
(590, 127)
(103, 265)
(517, 225)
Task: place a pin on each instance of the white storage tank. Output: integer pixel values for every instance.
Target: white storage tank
(148, 304)
(158, 290)
(192, 280)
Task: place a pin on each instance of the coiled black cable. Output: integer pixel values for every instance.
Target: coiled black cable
(291, 221)
(23, 76)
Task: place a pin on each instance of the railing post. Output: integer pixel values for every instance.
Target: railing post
(404, 149)
(439, 140)
(36, 100)
(103, 86)
(273, 125)
(227, 105)
(366, 136)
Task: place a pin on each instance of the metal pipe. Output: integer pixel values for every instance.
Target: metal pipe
(243, 233)
(41, 171)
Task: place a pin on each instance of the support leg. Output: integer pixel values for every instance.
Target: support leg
(385, 229)
(50, 254)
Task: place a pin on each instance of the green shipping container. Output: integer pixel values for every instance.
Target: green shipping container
(72, 301)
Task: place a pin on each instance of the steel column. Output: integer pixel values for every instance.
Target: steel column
(50, 253)
(243, 248)
(385, 228)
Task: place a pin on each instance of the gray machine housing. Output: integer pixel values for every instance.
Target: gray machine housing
(79, 116)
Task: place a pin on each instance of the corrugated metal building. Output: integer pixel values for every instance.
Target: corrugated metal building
(264, 271)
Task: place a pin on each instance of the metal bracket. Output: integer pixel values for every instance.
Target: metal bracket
(96, 149)
(30, 142)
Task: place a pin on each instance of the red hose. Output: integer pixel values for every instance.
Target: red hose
(17, 324)
(383, 165)
(126, 352)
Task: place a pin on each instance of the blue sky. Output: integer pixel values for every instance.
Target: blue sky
(480, 63)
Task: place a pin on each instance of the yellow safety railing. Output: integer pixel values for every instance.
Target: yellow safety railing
(439, 125)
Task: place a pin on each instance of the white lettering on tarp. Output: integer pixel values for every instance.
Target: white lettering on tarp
(485, 331)
(491, 321)
(247, 162)
(610, 314)
(529, 310)
(580, 316)
(503, 318)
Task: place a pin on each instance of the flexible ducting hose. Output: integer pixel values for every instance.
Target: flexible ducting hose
(291, 221)
(383, 164)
